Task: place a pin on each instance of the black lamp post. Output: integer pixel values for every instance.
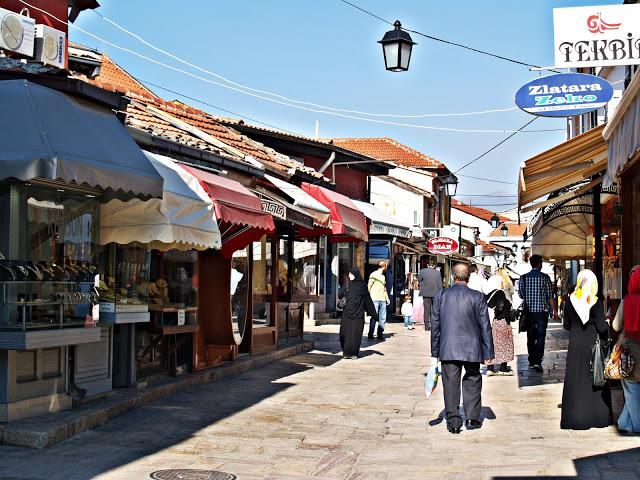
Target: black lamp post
(495, 221)
(514, 247)
(504, 230)
(396, 47)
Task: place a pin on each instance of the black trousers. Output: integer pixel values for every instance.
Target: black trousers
(536, 335)
(471, 391)
(427, 303)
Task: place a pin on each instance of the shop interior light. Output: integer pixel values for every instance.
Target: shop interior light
(396, 48)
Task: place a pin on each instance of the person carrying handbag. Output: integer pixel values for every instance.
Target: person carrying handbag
(627, 320)
(499, 308)
(584, 405)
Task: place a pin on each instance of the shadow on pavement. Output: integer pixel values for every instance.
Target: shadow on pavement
(486, 413)
(162, 424)
(329, 342)
(553, 364)
(622, 464)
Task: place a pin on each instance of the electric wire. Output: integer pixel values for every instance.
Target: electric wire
(504, 140)
(486, 179)
(431, 37)
(301, 102)
(300, 107)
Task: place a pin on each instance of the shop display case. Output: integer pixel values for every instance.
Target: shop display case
(124, 284)
(173, 290)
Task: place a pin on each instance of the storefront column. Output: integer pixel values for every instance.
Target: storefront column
(597, 234)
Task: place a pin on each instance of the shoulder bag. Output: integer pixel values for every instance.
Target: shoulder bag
(599, 357)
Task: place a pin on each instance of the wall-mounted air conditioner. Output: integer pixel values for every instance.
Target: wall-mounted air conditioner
(50, 46)
(16, 32)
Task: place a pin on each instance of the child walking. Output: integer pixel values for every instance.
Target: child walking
(407, 312)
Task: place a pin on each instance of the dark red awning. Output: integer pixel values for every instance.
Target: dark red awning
(238, 210)
(347, 221)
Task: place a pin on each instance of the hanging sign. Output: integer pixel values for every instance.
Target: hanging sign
(599, 36)
(564, 95)
(442, 246)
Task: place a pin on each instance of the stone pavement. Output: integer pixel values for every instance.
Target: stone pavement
(317, 416)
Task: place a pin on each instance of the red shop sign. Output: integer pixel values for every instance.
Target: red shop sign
(442, 245)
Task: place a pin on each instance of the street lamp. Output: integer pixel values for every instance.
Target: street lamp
(495, 221)
(396, 47)
(514, 247)
(504, 230)
(450, 185)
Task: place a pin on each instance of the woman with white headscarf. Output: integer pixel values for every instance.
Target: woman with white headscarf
(500, 316)
(583, 405)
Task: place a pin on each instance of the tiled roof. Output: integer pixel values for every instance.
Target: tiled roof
(476, 211)
(385, 148)
(113, 77)
(515, 230)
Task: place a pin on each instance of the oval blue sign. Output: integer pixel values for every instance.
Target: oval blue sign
(564, 95)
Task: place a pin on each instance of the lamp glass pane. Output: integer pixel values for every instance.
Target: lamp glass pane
(405, 56)
(391, 55)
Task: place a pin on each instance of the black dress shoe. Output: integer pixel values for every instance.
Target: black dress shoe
(454, 430)
(472, 424)
(380, 338)
(370, 337)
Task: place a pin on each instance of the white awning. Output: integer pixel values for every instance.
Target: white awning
(381, 222)
(184, 218)
(301, 199)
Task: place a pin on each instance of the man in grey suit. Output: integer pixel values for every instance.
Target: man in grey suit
(430, 284)
(461, 338)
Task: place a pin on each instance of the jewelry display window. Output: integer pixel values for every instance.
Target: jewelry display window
(124, 279)
(173, 287)
(52, 285)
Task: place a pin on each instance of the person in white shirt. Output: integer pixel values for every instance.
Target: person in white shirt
(476, 279)
(407, 312)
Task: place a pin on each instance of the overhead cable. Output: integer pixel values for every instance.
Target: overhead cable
(504, 140)
(431, 37)
(300, 107)
(301, 102)
(485, 179)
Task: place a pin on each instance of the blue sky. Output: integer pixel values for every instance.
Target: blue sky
(325, 52)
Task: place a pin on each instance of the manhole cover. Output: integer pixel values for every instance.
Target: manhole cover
(191, 475)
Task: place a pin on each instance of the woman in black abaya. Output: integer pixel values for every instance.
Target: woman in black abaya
(583, 405)
(358, 301)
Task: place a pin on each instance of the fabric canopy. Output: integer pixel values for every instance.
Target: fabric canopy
(301, 199)
(564, 231)
(48, 134)
(381, 223)
(183, 218)
(347, 221)
(570, 162)
(237, 208)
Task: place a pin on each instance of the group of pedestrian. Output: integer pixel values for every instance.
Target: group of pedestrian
(472, 326)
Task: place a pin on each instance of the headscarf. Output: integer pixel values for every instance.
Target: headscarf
(585, 295)
(356, 273)
(632, 308)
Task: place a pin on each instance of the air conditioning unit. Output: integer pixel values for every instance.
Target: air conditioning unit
(50, 46)
(16, 32)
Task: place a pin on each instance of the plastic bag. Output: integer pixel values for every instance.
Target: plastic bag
(431, 380)
(418, 309)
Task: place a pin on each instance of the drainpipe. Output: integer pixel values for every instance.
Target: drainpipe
(329, 161)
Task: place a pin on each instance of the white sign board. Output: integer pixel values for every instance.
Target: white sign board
(451, 231)
(597, 36)
(181, 317)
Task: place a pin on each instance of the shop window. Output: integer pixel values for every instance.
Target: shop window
(124, 281)
(282, 279)
(261, 287)
(304, 271)
(239, 292)
(50, 285)
(174, 295)
(322, 267)
(342, 262)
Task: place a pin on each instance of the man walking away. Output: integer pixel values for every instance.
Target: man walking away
(536, 291)
(461, 338)
(378, 291)
(430, 284)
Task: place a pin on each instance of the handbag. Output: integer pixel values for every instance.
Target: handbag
(521, 317)
(599, 356)
(621, 363)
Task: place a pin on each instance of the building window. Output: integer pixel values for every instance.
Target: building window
(261, 282)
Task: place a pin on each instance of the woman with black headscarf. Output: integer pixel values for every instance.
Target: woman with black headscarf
(358, 301)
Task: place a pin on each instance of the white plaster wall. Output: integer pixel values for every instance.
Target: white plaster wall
(397, 202)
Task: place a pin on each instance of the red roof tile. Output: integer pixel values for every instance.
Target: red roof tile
(476, 211)
(515, 230)
(385, 148)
